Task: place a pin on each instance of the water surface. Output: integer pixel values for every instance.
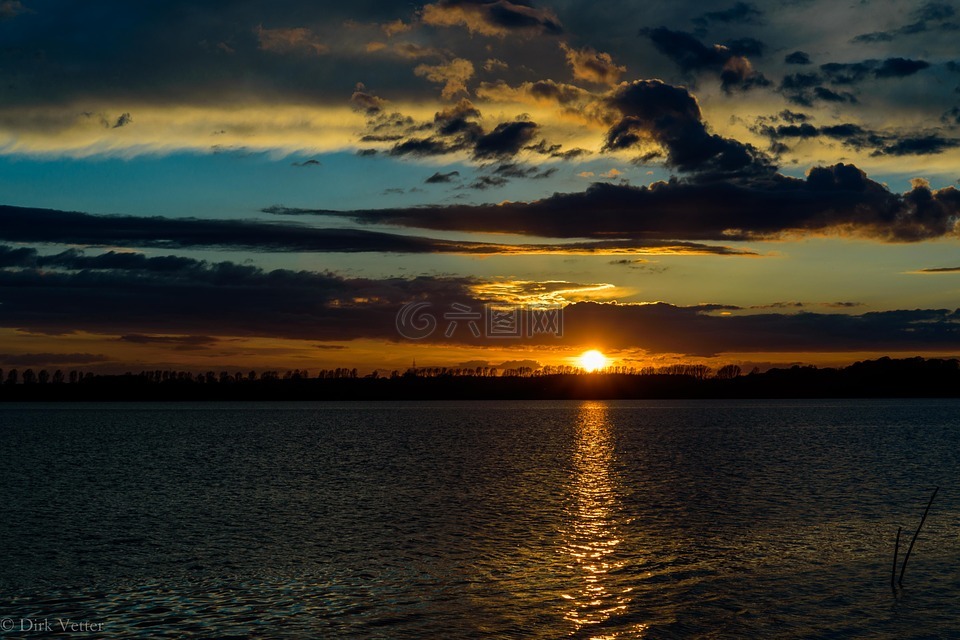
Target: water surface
(633, 519)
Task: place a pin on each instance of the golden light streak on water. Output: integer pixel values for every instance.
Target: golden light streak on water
(592, 529)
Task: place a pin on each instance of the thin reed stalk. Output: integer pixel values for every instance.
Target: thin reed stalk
(916, 533)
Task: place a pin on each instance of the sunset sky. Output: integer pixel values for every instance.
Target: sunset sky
(266, 184)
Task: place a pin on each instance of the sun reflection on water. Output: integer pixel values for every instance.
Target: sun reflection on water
(592, 530)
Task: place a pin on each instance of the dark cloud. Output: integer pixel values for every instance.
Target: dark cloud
(440, 178)
(918, 146)
(797, 57)
(692, 56)
(312, 162)
(61, 227)
(19, 257)
(669, 116)
(122, 121)
(899, 68)
(487, 182)
(793, 116)
(932, 16)
(506, 139)
(838, 73)
(139, 338)
(178, 52)
(515, 170)
(663, 328)
(807, 88)
(456, 129)
(492, 17)
(829, 95)
(838, 199)
(50, 359)
(177, 343)
(934, 11)
(860, 138)
(740, 13)
(940, 270)
(804, 89)
(750, 47)
(235, 299)
(179, 309)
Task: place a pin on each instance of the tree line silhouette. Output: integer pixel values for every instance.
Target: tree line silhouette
(884, 377)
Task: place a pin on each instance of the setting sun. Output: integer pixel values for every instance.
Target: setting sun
(592, 360)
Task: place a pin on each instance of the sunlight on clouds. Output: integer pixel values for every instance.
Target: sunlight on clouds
(528, 292)
(86, 130)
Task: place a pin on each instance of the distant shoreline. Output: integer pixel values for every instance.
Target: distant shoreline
(883, 378)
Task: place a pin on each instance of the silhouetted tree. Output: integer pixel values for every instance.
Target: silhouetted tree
(43, 377)
(728, 372)
(58, 377)
(29, 377)
(12, 376)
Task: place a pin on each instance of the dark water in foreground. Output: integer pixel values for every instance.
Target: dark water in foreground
(634, 519)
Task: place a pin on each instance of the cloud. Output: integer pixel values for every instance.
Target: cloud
(62, 227)
(452, 75)
(11, 9)
(122, 121)
(495, 64)
(456, 129)
(691, 55)
(939, 270)
(294, 40)
(538, 92)
(664, 328)
(50, 359)
(741, 13)
(669, 116)
(899, 68)
(855, 72)
(797, 57)
(177, 343)
(857, 137)
(807, 88)
(440, 178)
(491, 17)
(413, 51)
(487, 182)
(837, 200)
(506, 139)
(396, 26)
(929, 17)
(516, 170)
(234, 299)
(592, 66)
(181, 307)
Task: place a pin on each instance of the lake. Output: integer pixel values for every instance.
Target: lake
(613, 519)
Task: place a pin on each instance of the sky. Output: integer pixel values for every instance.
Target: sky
(279, 185)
